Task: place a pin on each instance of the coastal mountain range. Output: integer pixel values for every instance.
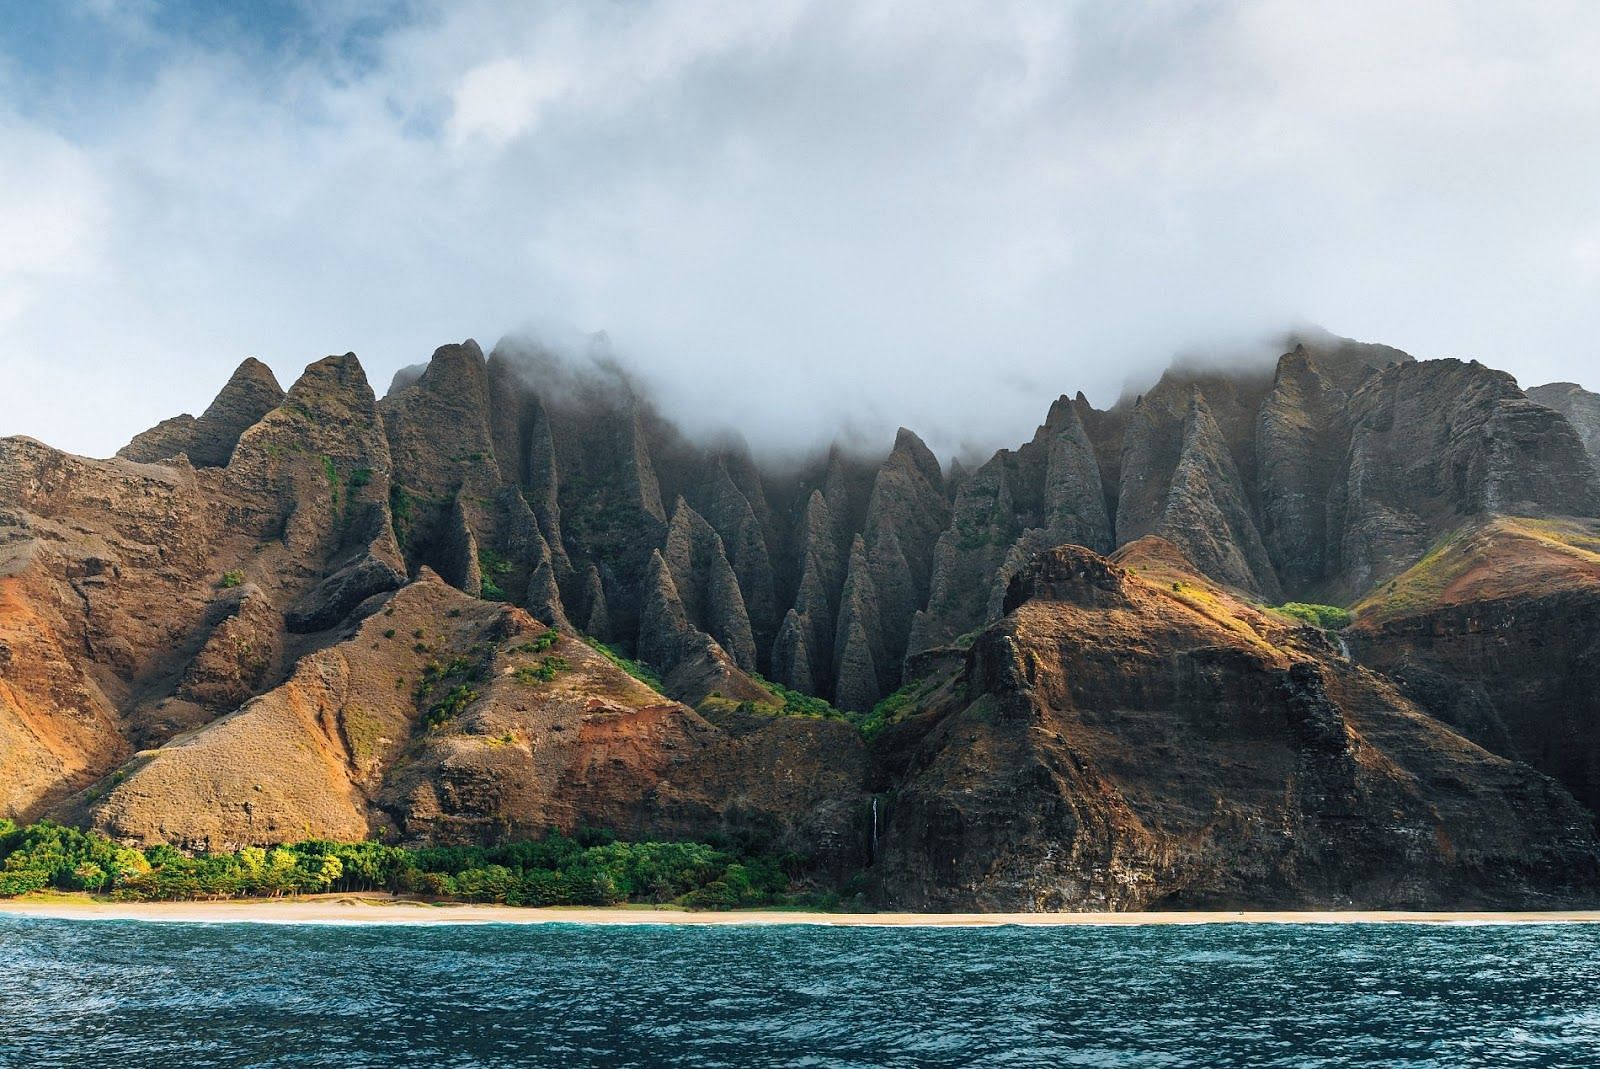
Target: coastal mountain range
(1324, 632)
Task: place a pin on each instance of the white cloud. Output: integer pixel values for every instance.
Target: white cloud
(797, 215)
(52, 216)
(500, 99)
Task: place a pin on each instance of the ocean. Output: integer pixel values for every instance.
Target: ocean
(124, 993)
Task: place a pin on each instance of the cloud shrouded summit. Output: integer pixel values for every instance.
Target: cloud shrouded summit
(791, 217)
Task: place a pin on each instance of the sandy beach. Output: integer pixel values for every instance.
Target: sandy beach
(378, 909)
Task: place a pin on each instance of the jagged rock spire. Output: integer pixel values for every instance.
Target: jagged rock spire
(597, 620)
(1074, 501)
(312, 477)
(544, 598)
(706, 583)
(458, 552)
(663, 624)
(969, 555)
(1207, 514)
(250, 394)
(791, 655)
(858, 649)
(905, 516)
(744, 537)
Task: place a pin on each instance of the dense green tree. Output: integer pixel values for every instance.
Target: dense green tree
(591, 867)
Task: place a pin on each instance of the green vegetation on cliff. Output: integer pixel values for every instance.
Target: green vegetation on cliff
(785, 702)
(591, 868)
(494, 568)
(637, 669)
(1327, 617)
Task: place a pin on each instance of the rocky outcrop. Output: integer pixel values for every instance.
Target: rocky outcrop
(544, 598)
(1497, 632)
(445, 468)
(456, 551)
(706, 585)
(1127, 740)
(542, 487)
(793, 663)
(240, 653)
(1207, 514)
(970, 555)
(1302, 433)
(311, 482)
(1046, 494)
(692, 664)
(1580, 407)
(208, 442)
(1180, 480)
(889, 574)
(1435, 443)
(597, 620)
(859, 656)
(808, 639)
(744, 536)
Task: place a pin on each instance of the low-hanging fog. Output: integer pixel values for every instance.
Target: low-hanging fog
(792, 218)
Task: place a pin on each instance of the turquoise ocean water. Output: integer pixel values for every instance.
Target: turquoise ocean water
(115, 993)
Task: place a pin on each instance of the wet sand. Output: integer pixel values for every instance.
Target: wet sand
(381, 909)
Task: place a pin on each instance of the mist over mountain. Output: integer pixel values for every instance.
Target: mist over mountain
(787, 218)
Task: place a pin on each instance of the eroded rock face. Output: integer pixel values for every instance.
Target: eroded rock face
(707, 585)
(441, 739)
(1580, 407)
(1302, 431)
(1499, 634)
(1435, 443)
(240, 653)
(1046, 494)
(208, 442)
(1119, 744)
(889, 573)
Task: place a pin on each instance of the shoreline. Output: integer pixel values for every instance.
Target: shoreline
(370, 909)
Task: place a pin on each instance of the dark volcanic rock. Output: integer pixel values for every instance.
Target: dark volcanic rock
(310, 483)
(744, 537)
(1581, 407)
(693, 665)
(1435, 443)
(969, 555)
(792, 662)
(1116, 747)
(1498, 634)
(597, 620)
(706, 584)
(892, 570)
(858, 647)
(1181, 481)
(1207, 513)
(1301, 436)
(1046, 494)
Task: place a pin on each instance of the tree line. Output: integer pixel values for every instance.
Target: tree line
(591, 868)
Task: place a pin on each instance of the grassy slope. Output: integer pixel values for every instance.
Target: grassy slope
(1499, 557)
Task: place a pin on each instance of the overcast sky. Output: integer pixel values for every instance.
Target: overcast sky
(792, 216)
